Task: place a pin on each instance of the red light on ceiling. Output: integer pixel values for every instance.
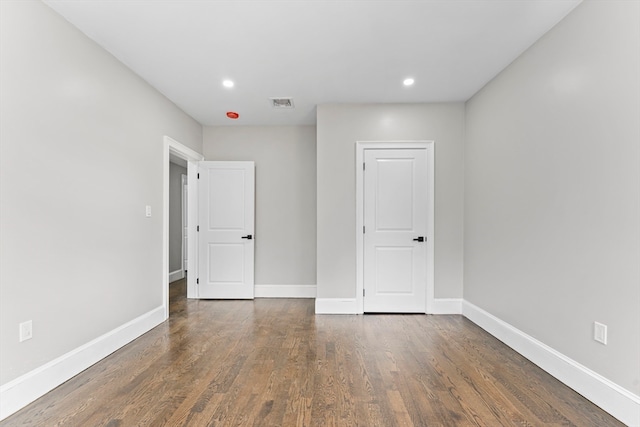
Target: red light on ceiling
(232, 115)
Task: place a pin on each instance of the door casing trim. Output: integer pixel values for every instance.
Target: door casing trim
(361, 146)
(174, 148)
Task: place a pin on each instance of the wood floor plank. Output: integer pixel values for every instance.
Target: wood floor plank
(275, 363)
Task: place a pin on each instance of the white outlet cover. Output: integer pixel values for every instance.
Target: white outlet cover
(148, 211)
(26, 330)
(600, 332)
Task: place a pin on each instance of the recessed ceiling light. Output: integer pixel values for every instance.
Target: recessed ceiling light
(227, 83)
(408, 81)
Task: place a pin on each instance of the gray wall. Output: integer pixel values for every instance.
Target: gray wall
(285, 158)
(552, 190)
(175, 216)
(339, 127)
(79, 257)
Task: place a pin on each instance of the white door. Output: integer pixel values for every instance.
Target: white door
(396, 225)
(226, 229)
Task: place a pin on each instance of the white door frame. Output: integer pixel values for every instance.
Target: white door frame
(361, 146)
(173, 147)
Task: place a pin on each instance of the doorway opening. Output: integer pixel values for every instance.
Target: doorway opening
(177, 233)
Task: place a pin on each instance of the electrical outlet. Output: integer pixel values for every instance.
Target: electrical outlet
(26, 330)
(147, 211)
(600, 332)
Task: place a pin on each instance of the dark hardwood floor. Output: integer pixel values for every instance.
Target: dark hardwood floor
(272, 362)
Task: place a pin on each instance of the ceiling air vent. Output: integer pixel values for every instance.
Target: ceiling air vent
(281, 103)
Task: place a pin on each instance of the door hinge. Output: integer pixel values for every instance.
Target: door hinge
(197, 281)
(198, 228)
(198, 176)
(364, 291)
(363, 231)
(363, 166)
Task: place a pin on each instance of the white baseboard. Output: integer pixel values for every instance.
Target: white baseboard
(447, 306)
(176, 275)
(336, 306)
(349, 306)
(285, 291)
(617, 401)
(23, 390)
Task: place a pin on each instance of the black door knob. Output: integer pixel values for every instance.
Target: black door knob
(248, 237)
(419, 239)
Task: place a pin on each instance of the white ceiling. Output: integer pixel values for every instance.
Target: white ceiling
(316, 51)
